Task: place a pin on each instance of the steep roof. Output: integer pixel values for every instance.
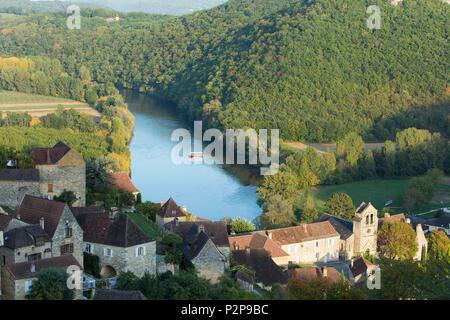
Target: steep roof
(4, 221)
(310, 273)
(108, 294)
(52, 155)
(24, 237)
(170, 209)
(121, 181)
(360, 266)
(119, 232)
(304, 232)
(266, 271)
(23, 270)
(343, 227)
(216, 231)
(32, 209)
(19, 175)
(192, 248)
(441, 222)
(257, 240)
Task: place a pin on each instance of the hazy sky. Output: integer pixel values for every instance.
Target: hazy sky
(177, 7)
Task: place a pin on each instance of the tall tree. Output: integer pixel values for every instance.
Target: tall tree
(397, 240)
(341, 205)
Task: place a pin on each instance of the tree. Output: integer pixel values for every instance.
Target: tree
(308, 211)
(173, 255)
(148, 209)
(277, 212)
(127, 281)
(51, 284)
(241, 225)
(340, 205)
(397, 240)
(66, 196)
(350, 148)
(439, 246)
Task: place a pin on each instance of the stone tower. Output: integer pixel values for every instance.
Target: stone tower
(365, 229)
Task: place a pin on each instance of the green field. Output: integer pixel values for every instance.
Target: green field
(148, 227)
(379, 192)
(10, 97)
(37, 105)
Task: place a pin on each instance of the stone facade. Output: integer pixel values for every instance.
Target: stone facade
(12, 192)
(126, 259)
(14, 289)
(210, 262)
(76, 239)
(317, 250)
(68, 174)
(10, 256)
(422, 243)
(365, 230)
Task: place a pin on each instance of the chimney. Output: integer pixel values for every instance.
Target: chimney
(247, 250)
(33, 268)
(408, 220)
(201, 228)
(324, 272)
(269, 234)
(386, 215)
(42, 223)
(351, 263)
(236, 247)
(305, 227)
(2, 239)
(48, 156)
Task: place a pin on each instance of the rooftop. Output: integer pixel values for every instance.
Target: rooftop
(170, 209)
(122, 181)
(19, 175)
(302, 233)
(42, 156)
(24, 270)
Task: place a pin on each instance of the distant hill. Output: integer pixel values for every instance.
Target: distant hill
(172, 7)
(28, 6)
(312, 69)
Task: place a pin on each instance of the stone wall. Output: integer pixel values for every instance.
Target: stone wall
(12, 192)
(210, 263)
(70, 178)
(59, 238)
(319, 250)
(124, 259)
(21, 254)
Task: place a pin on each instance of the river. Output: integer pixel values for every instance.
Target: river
(208, 191)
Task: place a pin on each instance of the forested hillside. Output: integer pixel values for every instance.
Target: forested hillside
(310, 68)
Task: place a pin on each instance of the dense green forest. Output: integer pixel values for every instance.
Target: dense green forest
(310, 68)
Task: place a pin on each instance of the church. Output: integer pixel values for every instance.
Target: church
(56, 169)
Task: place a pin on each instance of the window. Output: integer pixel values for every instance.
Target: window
(89, 248)
(34, 257)
(47, 253)
(330, 242)
(50, 188)
(371, 219)
(140, 251)
(3, 261)
(317, 244)
(68, 232)
(107, 252)
(367, 219)
(317, 256)
(67, 249)
(368, 230)
(28, 284)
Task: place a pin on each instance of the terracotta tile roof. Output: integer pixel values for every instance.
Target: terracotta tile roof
(258, 260)
(360, 266)
(32, 209)
(19, 175)
(170, 209)
(108, 294)
(304, 232)
(343, 227)
(216, 231)
(23, 270)
(311, 273)
(25, 236)
(121, 181)
(4, 221)
(257, 240)
(240, 242)
(119, 232)
(42, 156)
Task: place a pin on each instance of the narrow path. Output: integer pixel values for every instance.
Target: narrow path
(42, 104)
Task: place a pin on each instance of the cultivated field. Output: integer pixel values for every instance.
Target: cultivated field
(38, 106)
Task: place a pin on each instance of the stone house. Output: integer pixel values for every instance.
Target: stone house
(259, 266)
(205, 245)
(119, 243)
(306, 243)
(361, 269)
(17, 278)
(56, 170)
(168, 212)
(121, 181)
(58, 222)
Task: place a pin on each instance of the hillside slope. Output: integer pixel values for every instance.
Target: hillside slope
(312, 69)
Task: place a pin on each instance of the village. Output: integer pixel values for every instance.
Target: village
(39, 233)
